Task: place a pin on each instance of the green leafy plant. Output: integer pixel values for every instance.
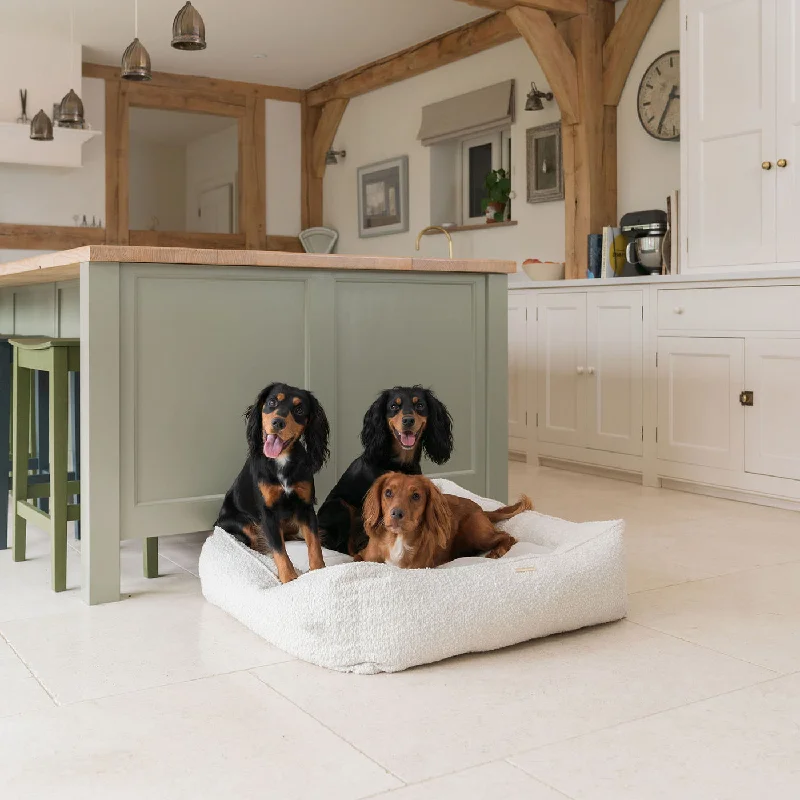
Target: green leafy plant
(498, 191)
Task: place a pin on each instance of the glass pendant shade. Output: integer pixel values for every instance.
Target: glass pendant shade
(188, 29)
(70, 113)
(136, 62)
(41, 128)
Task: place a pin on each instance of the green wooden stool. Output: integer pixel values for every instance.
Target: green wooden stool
(58, 357)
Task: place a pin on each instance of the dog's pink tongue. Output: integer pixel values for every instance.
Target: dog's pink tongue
(408, 439)
(273, 446)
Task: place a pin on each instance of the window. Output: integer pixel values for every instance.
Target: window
(480, 155)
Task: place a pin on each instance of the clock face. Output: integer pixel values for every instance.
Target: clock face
(659, 101)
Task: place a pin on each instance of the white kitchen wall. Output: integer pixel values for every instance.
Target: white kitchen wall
(210, 161)
(647, 170)
(384, 124)
(157, 186)
(284, 138)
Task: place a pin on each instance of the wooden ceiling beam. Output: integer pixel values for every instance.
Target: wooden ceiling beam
(560, 9)
(467, 40)
(554, 57)
(194, 83)
(622, 46)
(331, 116)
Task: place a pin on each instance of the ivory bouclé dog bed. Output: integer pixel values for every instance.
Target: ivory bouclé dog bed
(369, 618)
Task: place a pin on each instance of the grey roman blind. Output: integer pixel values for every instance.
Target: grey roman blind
(467, 114)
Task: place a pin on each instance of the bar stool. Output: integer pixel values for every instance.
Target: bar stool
(38, 446)
(58, 358)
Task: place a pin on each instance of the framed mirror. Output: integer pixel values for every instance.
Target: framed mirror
(544, 163)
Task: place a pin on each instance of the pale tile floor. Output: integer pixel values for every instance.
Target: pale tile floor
(695, 696)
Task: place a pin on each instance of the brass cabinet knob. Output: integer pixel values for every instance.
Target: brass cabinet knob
(782, 162)
(766, 165)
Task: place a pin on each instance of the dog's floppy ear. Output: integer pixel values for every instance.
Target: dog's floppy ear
(375, 431)
(437, 439)
(437, 516)
(253, 432)
(371, 510)
(316, 435)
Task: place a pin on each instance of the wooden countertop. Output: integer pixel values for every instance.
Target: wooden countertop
(65, 265)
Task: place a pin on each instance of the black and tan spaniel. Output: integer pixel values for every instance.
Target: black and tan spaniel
(272, 499)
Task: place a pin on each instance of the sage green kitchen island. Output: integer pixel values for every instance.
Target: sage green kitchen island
(176, 343)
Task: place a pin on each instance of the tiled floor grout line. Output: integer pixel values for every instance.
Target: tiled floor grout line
(715, 577)
(30, 670)
(543, 782)
(331, 730)
(777, 673)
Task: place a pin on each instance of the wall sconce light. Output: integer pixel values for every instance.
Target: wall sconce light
(332, 156)
(535, 97)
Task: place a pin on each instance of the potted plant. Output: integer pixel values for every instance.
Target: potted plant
(498, 191)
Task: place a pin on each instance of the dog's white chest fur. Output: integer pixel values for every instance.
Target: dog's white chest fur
(397, 551)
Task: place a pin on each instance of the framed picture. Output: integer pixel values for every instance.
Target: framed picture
(545, 168)
(383, 198)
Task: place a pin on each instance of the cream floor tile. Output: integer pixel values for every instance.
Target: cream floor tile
(20, 695)
(141, 642)
(496, 781)
(223, 737)
(445, 717)
(25, 590)
(740, 746)
(11, 666)
(660, 555)
(183, 550)
(752, 615)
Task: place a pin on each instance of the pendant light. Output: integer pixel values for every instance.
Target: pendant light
(70, 113)
(41, 127)
(188, 29)
(135, 59)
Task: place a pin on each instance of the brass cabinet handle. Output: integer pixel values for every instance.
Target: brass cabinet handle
(766, 165)
(782, 162)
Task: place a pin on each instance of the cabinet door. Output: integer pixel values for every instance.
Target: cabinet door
(614, 367)
(517, 365)
(700, 420)
(728, 107)
(788, 131)
(772, 427)
(562, 368)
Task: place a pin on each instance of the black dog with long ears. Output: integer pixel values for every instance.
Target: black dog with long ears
(273, 496)
(401, 424)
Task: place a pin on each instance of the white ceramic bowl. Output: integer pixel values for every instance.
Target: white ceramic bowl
(546, 271)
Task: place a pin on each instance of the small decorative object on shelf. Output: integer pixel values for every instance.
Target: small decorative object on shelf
(498, 191)
(23, 100)
(41, 127)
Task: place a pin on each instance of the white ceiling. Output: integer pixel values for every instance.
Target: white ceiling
(304, 41)
(174, 128)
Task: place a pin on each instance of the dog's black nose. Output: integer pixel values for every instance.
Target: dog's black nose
(397, 513)
(408, 422)
(278, 424)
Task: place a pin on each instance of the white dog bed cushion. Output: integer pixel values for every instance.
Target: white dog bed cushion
(368, 618)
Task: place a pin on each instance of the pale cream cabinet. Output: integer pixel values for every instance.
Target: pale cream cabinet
(675, 381)
(740, 134)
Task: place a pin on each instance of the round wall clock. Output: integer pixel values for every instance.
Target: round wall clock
(659, 99)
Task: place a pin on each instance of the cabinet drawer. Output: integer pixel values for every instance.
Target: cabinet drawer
(751, 308)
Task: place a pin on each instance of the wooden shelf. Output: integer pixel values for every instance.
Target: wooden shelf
(17, 147)
(483, 226)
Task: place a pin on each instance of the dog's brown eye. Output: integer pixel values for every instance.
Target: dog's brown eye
(415, 496)
(387, 493)
(272, 402)
(299, 410)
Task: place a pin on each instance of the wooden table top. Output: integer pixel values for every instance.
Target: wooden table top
(65, 265)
